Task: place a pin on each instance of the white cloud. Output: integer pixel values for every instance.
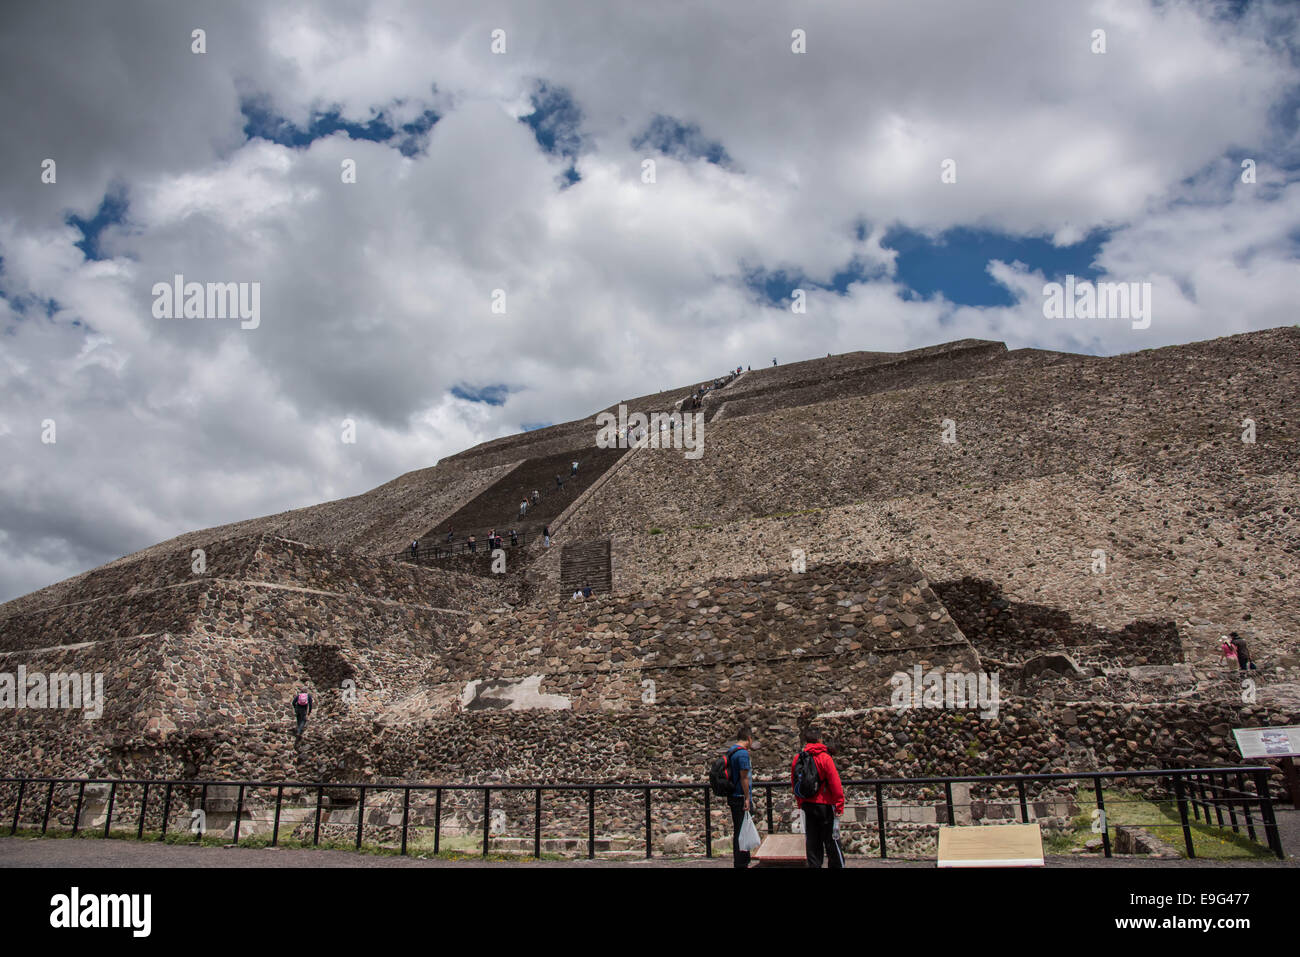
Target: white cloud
(375, 295)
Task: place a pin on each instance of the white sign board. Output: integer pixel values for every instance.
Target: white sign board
(1268, 742)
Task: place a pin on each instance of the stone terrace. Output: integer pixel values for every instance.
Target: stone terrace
(466, 678)
(907, 372)
(379, 522)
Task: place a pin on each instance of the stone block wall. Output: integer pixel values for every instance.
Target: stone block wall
(1013, 631)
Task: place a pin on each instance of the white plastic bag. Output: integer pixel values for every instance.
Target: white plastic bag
(748, 839)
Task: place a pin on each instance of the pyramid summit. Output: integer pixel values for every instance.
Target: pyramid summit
(1084, 528)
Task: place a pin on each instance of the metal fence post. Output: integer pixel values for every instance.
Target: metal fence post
(591, 823)
(487, 804)
(1232, 804)
(361, 815)
(1182, 815)
(537, 822)
(1245, 806)
(275, 831)
(315, 832)
(144, 803)
(708, 825)
(647, 824)
(1266, 812)
(76, 816)
(1024, 804)
(108, 812)
(167, 808)
(437, 819)
(239, 813)
(49, 799)
(22, 786)
(406, 814)
(1101, 806)
(880, 819)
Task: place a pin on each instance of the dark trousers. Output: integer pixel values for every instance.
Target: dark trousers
(819, 836)
(301, 711)
(739, 858)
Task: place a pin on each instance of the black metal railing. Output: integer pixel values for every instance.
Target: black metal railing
(1197, 792)
(436, 551)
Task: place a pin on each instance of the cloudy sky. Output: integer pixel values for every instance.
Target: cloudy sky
(524, 169)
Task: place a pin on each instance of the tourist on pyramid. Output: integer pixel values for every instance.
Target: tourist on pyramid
(741, 798)
(302, 705)
(523, 508)
(472, 544)
(586, 591)
(820, 796)
(546, 536)
(537, 496)
(1243, 656)
(415, 549)
(577, 595)
(514, 538)
(574, 469)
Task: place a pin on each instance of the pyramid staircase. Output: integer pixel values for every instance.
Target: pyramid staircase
(497, 506)
(586, 563)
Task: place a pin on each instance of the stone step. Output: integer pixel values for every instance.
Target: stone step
(586, 563)
(497, 506)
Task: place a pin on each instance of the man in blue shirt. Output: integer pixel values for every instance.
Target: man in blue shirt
(741, 797)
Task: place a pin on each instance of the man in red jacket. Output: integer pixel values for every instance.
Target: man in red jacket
(820, 810)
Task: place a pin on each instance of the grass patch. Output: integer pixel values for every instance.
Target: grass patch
(1161, 819)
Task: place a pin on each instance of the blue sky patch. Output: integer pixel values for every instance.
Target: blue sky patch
(111, 212)
(682, 141)
(489, 394)
(262, 121)
(556, 122)
(776, 286)
(24, 304)
(955, 263)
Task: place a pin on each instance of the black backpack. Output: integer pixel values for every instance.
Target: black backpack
(806, 781)
(720, 774)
